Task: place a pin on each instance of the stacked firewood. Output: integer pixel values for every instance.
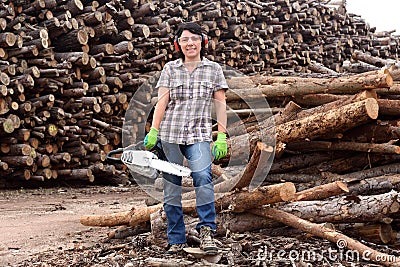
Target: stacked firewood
(70, 68)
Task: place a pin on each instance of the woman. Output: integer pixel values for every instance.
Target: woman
(182, 120)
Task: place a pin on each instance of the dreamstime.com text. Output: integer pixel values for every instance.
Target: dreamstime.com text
(320, 255)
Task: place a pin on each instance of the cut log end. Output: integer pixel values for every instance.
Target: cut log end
(287, 192)
(389, 80)
(342, 186)
(372, 108)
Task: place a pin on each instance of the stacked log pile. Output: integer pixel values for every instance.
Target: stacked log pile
(70, 68)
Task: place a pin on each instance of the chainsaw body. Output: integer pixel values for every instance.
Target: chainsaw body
(146, 163)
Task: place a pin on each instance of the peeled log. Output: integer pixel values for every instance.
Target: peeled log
(321, 192)
(340, 119)
(119, 218)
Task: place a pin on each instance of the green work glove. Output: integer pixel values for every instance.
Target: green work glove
(151, 138)
(220, 148)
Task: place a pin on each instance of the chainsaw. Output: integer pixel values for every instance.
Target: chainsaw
(148, 163)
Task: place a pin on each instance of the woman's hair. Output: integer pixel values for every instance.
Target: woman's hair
(195, 29)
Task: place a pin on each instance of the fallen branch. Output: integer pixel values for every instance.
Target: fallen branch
(342, 241)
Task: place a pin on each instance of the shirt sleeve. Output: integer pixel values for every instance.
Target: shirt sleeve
(220, 81)
(164, 80)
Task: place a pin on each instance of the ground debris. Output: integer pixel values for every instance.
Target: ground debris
(250, 249)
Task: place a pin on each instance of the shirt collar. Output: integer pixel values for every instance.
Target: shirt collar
(205, 61)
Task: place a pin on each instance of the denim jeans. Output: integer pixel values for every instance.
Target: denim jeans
(198, 156)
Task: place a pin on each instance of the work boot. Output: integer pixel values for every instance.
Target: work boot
(175, 249)
(207, 243)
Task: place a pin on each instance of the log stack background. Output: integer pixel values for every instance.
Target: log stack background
(69, 69)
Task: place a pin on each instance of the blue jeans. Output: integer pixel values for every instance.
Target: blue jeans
(198, 156)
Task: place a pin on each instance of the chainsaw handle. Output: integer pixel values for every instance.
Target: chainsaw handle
(138, 146)
(110, 154)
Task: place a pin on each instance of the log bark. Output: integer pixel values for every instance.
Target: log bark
(255, 172)
(375, 208)
(352, 146)
(375, 61)
(294, 86)
(338, 120)
(375, 233)
(136, 216)
(244, 200)
(374, 185)
(342, 241)
(382, 170)
(338, 103)
(389, 107)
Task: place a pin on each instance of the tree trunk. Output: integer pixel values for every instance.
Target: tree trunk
(293, 86)
(375, 208)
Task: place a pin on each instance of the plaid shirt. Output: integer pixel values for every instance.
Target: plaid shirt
(187, 118)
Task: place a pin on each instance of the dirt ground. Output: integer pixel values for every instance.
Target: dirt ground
(37, 220)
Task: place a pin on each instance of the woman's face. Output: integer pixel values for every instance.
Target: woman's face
(190, 45)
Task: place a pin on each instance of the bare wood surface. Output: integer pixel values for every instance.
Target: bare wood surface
(322, 192)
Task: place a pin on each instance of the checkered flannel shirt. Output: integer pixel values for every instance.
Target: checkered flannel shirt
(187, 119)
